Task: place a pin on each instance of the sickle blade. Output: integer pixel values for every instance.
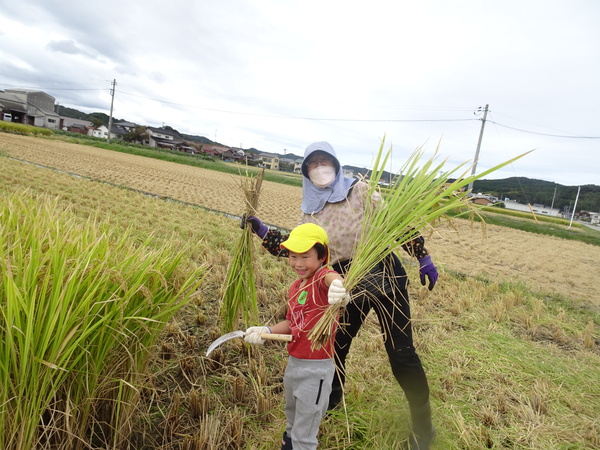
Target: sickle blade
(224, 338)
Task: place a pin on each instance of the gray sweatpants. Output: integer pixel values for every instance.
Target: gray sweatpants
(307, 385)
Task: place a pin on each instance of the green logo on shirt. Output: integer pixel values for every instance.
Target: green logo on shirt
(302, 297)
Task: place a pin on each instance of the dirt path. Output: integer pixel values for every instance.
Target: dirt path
(543, 263)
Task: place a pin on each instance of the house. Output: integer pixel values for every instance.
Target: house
(127, 126)
(13, 106)
(225, 153)
(162, 138)
(99, 132)
(118, 131)
(77, 128)
(289, 163)
(298, 165)
(159, 137)
(30, 107)
(482, 200)
(589, 216)
(187, 148)
(269, 160)
(218, 151)
(536, 208)
(238, 154)
(75, 125)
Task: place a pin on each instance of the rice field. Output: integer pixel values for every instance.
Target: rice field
(210, 189)
(545, 263)
(509, 337)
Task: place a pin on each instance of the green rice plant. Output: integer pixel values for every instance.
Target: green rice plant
(28, 130)
(82, 308)
(421, 194)
(239, 299)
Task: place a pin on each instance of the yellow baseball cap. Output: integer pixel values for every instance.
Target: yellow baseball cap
(304, 237)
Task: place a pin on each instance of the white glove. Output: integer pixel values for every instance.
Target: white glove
(252, 335)
(337, 294)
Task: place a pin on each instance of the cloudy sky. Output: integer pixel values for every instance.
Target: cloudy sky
(277, 75)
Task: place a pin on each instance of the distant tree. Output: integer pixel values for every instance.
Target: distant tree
(70, 112)
(103, 117)
(137, 134)
(172, 130)
(285, 166)
(96, 121)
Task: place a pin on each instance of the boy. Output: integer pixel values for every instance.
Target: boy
(309, 373)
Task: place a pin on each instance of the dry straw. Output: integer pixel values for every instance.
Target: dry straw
(239, 299)
(420, 194)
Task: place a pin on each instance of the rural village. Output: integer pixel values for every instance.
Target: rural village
(38, 108)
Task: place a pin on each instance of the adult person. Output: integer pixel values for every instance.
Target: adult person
(336, 203)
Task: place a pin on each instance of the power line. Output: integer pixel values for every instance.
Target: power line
(545, 134)
(37, 88)
(322, 119)
(275, 116)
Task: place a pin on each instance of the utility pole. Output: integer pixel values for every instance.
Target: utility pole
(574, 208)
(485, 111)
(553, 197)
(112, 101)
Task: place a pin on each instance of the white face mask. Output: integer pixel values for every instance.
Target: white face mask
(322, 176)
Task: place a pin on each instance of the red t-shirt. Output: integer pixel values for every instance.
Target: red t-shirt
(306, 305)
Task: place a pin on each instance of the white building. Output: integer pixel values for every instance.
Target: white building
(537, 209)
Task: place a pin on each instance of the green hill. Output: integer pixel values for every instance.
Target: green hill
(529, 190)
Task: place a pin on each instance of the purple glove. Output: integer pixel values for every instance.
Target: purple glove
(428, 270)
(259, 228)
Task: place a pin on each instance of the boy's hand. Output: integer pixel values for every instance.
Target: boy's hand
(337, 294)
(252, 335)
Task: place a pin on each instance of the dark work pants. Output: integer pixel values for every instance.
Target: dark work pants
(386, 293)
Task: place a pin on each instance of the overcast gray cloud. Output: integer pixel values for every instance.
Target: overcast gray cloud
(279, 75)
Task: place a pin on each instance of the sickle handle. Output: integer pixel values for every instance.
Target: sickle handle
(276, 337)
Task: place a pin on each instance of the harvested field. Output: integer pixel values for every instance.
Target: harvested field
(208, 188)
(543, 263)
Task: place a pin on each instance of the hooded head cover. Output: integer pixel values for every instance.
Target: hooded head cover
(304, 237)
(314, 198)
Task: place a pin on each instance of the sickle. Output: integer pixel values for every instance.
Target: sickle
(239, 334)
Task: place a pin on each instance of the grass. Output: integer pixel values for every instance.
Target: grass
(508, 367)
(27, 130)
(549, 226)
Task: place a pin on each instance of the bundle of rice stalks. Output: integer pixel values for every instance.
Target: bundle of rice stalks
(420, 195)
(239, 299)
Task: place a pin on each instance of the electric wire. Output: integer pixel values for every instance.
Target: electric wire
(545, 134)
(276, 116)
(325, 119)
